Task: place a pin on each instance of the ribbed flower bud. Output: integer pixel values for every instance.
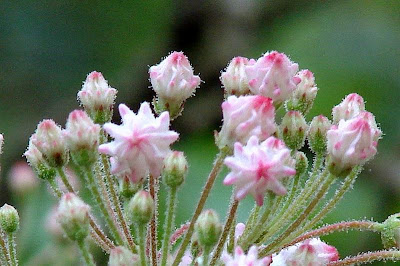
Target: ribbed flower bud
(303, 96)
(175, 169)
(273, 76)
(309, 252)
(49, 141)
(73, 215)
(36, 161)
(294, 128)
(141, 207)
(351, 143)
(317, 134)
(82, 138)
(121, 256)
(9, 219)
(173, 81)
(208, 228)
(350, 107)
(234, 79)
(246, 116)
(301, 163)
(97, 97)
(390, 232)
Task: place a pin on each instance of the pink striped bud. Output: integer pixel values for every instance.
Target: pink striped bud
(246, 116)
(303, 96)
(234, 79)
(352, 142)
(350, 107)
(173, 81)
(309, 252)
(273, 76)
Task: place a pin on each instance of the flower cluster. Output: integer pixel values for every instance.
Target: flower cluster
(123, 166)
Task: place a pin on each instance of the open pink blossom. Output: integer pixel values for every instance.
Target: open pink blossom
(173, 79)
(311, 252)
(273, 76)
(350, 107)
(241, 259)
(258, 167)
(246, 116)
(140, 143)
(352, 142)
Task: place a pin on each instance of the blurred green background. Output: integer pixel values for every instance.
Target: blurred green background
(48, 47)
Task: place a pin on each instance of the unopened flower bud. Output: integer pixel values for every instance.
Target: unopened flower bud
(294, 128)
(173, 81)
(175, 169)
(141, 207)
(82, 138)
(350, 107)
(317, 134)
(351, 143)
(22, 179)
(208, 228)
(273, 76)
(301, 163)
(390, 232)
(234, 79)
(121, 256)
(9, 219)
(244, 117)
(303, 96)
(73, 215)
(49, 141)
(97, 97)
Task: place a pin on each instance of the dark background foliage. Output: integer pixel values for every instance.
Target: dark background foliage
(48, 47)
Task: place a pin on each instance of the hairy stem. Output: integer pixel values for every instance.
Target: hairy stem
(169, 223)
(85, 253)
(141, 233)
(204, 195)
(153, 183)
(225, 231)
(115, 199)
(321, 193)
(338, 227)
(369, 257)
(3, 245)
(11, 249)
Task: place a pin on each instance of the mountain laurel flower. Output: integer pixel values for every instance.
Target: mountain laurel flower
(258, 167)
(173, 81)
(246, 116)
(309, 252)
(121, 256)
(49, 141)
(234, 79)
(273, 76)
(97, 97)
(140, 144)
(241, 259)
(73, 215)
(82, 137)
(352, 142)
(350, 107)
(303, 96)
